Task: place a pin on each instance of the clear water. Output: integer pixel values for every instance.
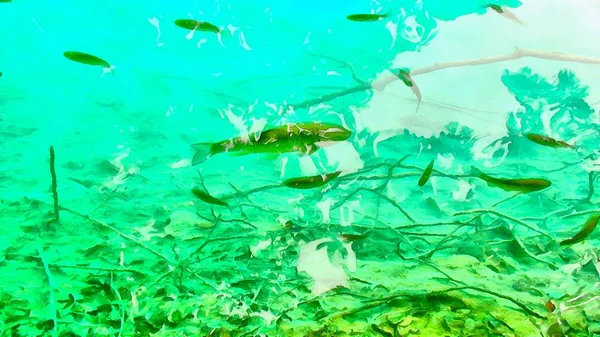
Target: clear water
(131, 250)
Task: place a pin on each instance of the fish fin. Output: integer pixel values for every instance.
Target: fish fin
(108, 70)
(271, 156)
(239, 153)
(417, 92)
(475, 171)
(326, 143)
(203, 152)
(310, 149)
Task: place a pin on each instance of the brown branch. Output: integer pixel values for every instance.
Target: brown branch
(52, 287)
(118, 232)
(508, 217)
(591, 180)
(54, 185)
(108, 270)
(385, 300)
(347, 64)
(517, 54)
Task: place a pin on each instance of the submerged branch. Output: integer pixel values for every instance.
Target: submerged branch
(519, 53)
(51, 299)
(591, 180)
(508, 217)
(370, 304)
(54, 185)
(109, 270)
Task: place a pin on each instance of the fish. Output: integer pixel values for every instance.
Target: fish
(207, 198)
(506, 14)
(5, 1)
(407, 79)
(311, 181)
(588, 228)
(1, 74)
(367, 17)
(355, 237)
(84, 183)
(519, 185)
(203, 26)
(426, 174)
(90, 60)
(548, 141)
(303, 138)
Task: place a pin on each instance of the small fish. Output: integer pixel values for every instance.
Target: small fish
(518, 185)
(289, 225)
(587, 229)
(304, 138)
(311, 181)
(548, 141)
(355, 237)
(84, 183)
(404, 75)
(197, 25)
(550, 306)
(5, 1)
(367, 17)
(1, 74)
(426, 174)
(90, 60)
(207, 198)
(506, 14)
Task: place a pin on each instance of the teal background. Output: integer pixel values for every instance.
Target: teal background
(128, 137)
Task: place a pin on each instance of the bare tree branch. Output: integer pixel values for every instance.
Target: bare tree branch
(519, 53)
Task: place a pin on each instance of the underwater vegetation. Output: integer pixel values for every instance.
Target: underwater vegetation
(231, 238)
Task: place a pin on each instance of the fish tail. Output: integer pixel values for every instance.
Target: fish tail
(203, 152)
(108, 70)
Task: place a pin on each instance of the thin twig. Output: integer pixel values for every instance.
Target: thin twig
(517, 54)
(354, 75)
(121, 305)
(379, 302)
(508, 217)
(118, 232)
(110, 270)
(589, 211)
(51, 300)
(591, 181)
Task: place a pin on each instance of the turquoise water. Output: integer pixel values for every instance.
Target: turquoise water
(451, 192)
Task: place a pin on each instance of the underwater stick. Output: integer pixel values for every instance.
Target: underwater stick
(121, 304)
(505, 216)
(118, 232)
(379, 302)
(490, 292)
(591, 180)
(51, 300)
(133, 239)
(54, 185)
(347, 64)
(515, 55)
(108, 270)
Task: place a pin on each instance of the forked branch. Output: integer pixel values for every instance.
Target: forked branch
(519, 53)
